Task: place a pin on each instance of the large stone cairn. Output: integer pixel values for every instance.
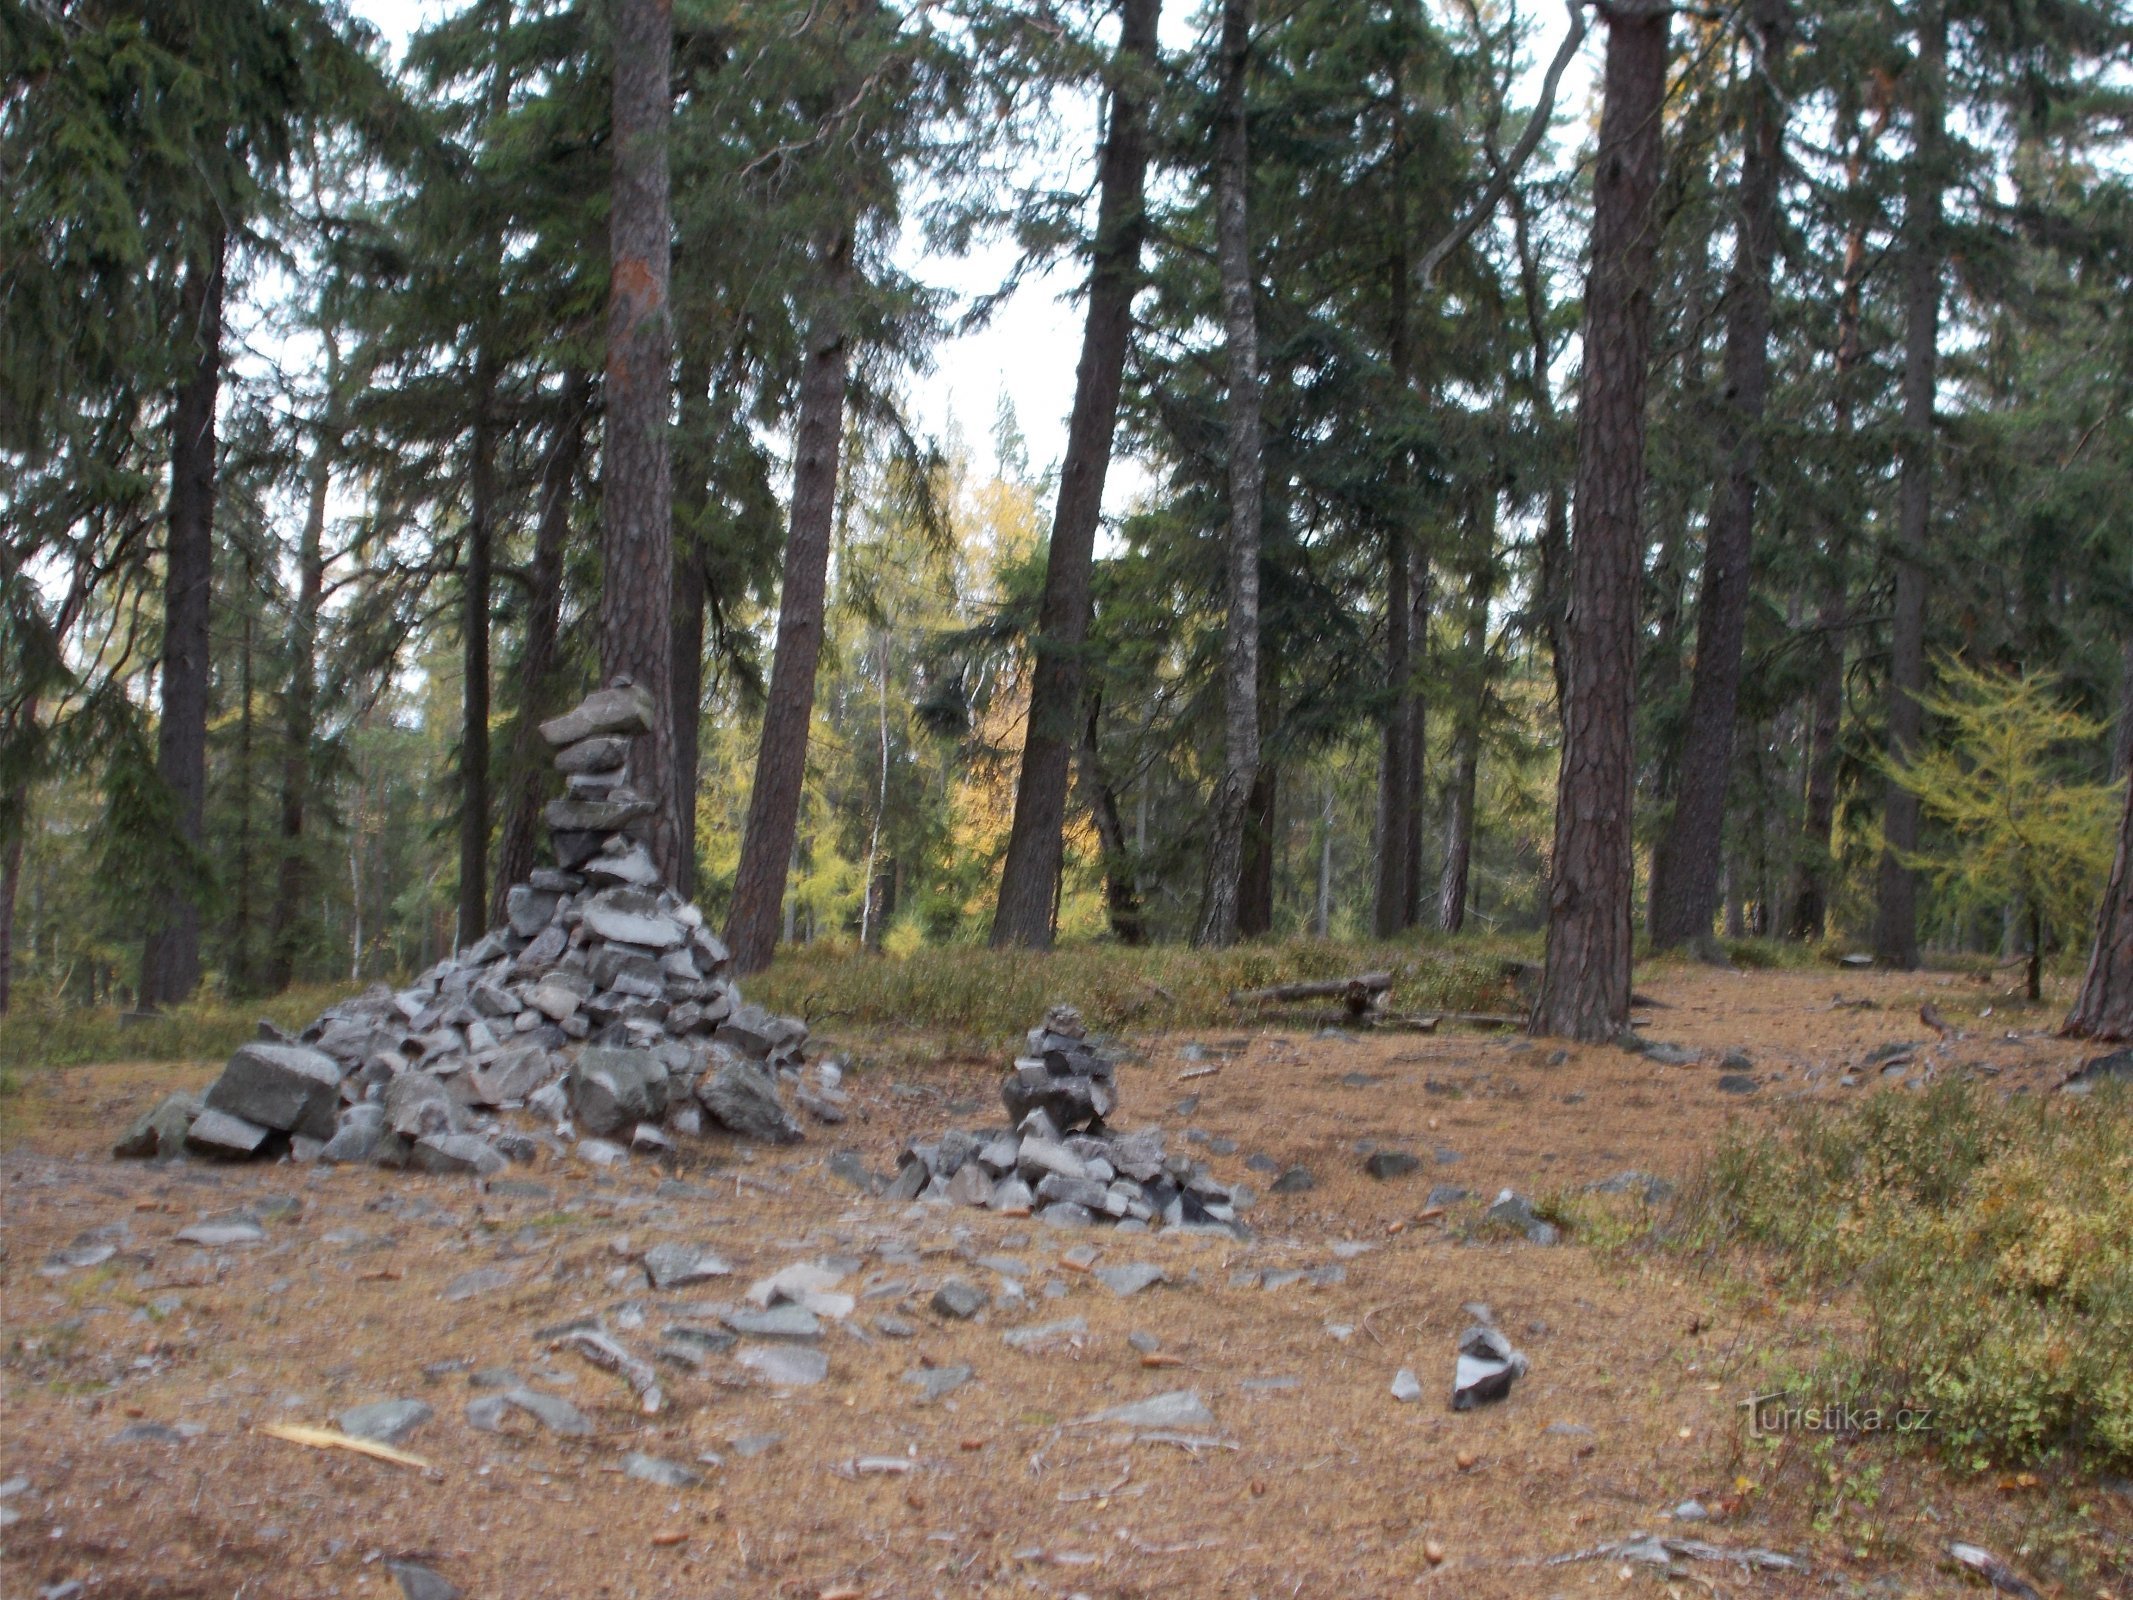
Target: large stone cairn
(1058, 1159)
(605, 1008)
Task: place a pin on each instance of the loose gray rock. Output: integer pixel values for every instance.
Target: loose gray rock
(289, 1087)
(1736, 1083)
(553, 1412)
(1384, 1164)
(937, 1383)
(1671, 1055)
(667, 1474)
(418, 1105)
(1293, 1180)
(386, 1421)
(786, 1366)
(675, 1266)
(217, 1133)
(420, 1583)
(1180, 1408)
(1406, 1386)
(1487, 1366)
(356, 1139)
(958, 1300)
(1131, 1280)
(971, 1185)
(159, 1134)
(456, 1154)
(612, 1090)
(623, 709)
(744, 1099)
(631, 916)
(783, 1322)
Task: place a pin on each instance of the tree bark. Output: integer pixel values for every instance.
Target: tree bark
(528, 779)
(690, 594)
(1896, 916)
(474, 595)
(781, 759)
(2104, 1007)
(1255, 889)
(10, 888)
(1417, 716)
(170, 960)
(1247, 481)
(300, 694)
(1030, 873)
(1685, 864)
(1466, 742)
(636, 609)
(1809, 898)
(1122, 901)
(1389, 904)
(1584, 990)
(1551, 577)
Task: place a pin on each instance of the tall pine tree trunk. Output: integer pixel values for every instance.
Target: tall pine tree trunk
(1030, 874)
(636, 611)
(1418, 604)
(10, 889)
(299, 702)
(1122, 901)
(1584, 991)
(170, 960)
(1808, 908)
(1255, 888)
(1551, 580)
(520, 804)
(1389, 903)
(2104, 1007)
(1896, 912)
(690, 596)
(474, 587)
(1247, 482)
(1686, 862)
(781, 759)
(1466, 738)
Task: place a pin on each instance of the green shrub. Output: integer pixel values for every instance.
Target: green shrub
(1990, 1241)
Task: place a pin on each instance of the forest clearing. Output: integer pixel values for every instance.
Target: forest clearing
(1308, 1478)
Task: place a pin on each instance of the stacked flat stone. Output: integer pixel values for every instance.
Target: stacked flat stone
(1059, 1160)
(605, 1007)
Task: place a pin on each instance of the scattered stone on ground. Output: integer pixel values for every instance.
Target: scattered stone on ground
(1486, 1368)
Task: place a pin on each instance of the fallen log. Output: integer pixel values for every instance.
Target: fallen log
(1362, 993)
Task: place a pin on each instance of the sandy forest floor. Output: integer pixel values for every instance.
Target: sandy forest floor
(1312, 1480)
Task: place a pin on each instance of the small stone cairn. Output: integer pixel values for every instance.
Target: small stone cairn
(1058, 1159)
(605, 1008)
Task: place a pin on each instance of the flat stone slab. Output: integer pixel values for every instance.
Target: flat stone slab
(217, 1133)
(653, 1469)
(676, 1266)
(1132, 1279)
(619, 709)
(386, 1421)
(937, 1383)
(785, 1365)
(551, 1411)
(1179, 1408)
(788, 1323)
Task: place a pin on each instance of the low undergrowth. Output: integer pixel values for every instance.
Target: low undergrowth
(1990, 1243)
(40, 1031)
(981, 998)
